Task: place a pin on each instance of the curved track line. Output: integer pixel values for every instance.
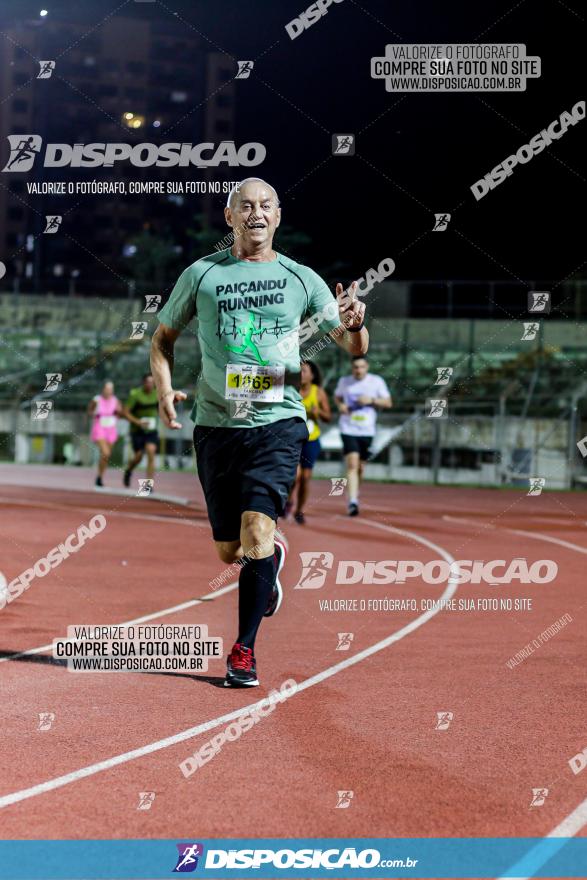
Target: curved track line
(467, 522)
(577, 819)
(165, 611)
(542, 852)
(116, 760)
(181, 607)
(539, 536)
(209, 597)
(70, 507)
(542, 537)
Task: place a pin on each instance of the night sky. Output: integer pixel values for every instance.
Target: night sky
(416, 154)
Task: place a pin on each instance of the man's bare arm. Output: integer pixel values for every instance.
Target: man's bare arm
(162, 345)
(379, 402)
(352, 316)
(353, 343)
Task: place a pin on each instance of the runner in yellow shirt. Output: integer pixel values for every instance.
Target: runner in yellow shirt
(317, 408)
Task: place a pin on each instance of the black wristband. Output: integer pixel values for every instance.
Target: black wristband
(356, 329)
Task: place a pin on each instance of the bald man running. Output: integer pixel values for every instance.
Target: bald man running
(250, 420)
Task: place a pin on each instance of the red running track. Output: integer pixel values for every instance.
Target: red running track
(363, 720)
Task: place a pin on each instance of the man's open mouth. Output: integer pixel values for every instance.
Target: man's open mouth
(256, 226)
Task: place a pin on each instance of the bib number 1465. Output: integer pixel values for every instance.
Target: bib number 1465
(252, 382)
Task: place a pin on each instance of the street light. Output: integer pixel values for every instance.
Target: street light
(133, 120)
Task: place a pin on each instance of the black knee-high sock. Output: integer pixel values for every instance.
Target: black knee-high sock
(255, 584)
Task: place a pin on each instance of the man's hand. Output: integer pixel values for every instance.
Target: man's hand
(167, 408)
(343, 409)
(350, 309)
(365, 401)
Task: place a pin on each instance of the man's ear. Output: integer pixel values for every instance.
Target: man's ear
(228, 216)
(278, 217)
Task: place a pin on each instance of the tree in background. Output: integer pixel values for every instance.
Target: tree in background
(151, 260)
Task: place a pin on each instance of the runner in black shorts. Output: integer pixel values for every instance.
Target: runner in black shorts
(250, 422)
(141, 410)
(362, 445)
(359, 397)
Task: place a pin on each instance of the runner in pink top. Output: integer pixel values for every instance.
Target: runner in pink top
(104, 410)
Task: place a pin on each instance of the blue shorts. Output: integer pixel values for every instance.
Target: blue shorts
(310, 452)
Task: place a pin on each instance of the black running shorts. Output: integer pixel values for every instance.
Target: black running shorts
(247, 469)
(362, 445)
(140, 439)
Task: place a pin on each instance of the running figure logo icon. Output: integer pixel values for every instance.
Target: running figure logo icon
(314, 568)
(536, 485)
(338, 485)
(443, 720)
(138, 329)
(241, 409)
(539, 795)
(247, 331)
(47, 68)
(244, 69)
(344, 641)
(539, 301)
(53, 222)
(530, 331)
(343, 145)
(53, 380)
(152, 302)
(187, 860)
(43, 408)
(437, 409)
(146, 799)
(145, 488)
(344, 800)
(46, 719)
(441, 222)
(23, 151)
(443, 375)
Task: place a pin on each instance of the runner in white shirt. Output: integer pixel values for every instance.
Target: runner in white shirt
(358, 398)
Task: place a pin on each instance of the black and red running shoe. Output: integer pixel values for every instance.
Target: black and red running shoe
(241, 670)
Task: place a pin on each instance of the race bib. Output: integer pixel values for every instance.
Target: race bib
(149, 423)
(107, 421)
(253, 382)
(358, 417)
(311, 425)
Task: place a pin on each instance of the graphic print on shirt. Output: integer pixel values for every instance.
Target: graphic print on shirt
(250, 329)
(247, 330)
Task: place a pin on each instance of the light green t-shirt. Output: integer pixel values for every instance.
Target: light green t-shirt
(246, 314)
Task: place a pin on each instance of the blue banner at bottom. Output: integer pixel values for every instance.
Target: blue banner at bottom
(295, 857)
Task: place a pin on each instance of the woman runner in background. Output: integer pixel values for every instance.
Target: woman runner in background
(104, 410)
(317, 408)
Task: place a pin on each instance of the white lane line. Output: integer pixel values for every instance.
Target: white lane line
(76, 775)
(70, 507)
(541, 537)
(156, 614)
(130, 493)
(544, 850)
(467, 522)
(163, 613)
(576, 820)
